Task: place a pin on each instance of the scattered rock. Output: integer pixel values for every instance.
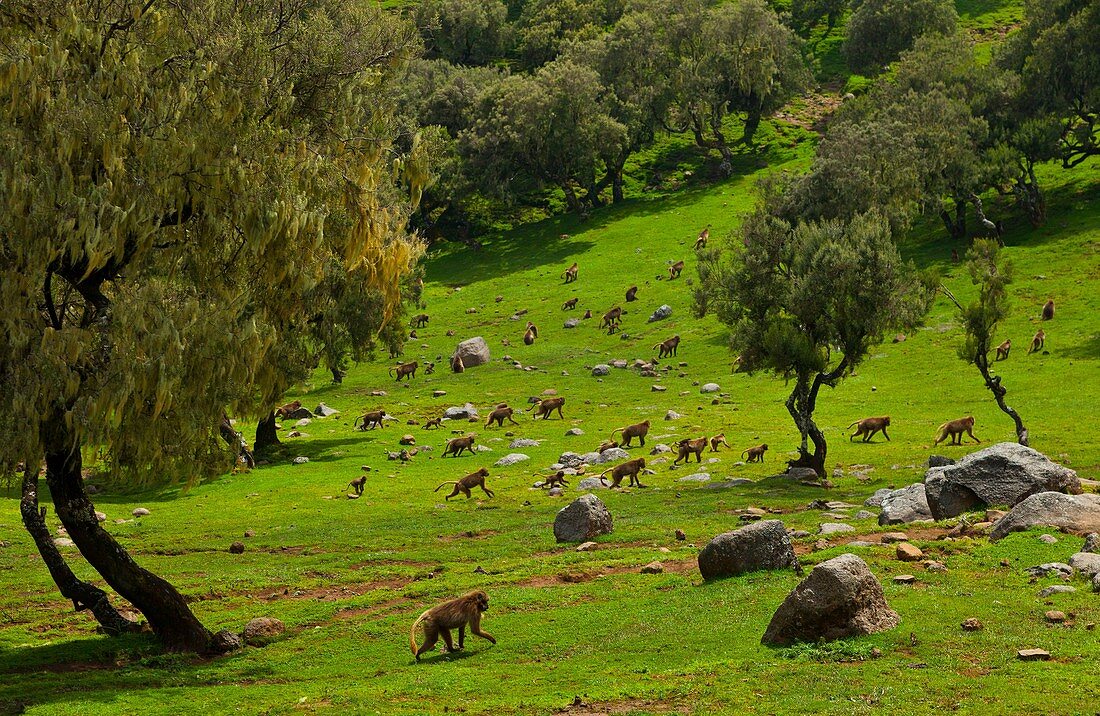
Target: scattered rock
(904, 579)
(660, 314)
(601, 369)
(261, 630)
(840, 598)
(710, 388)
(407, 440)
(761, 545)
(511, 459)
(862, 543)
(697, 477)
(1048, 569)
(657, 388)
(574, 431)
(438, 393)
(460, 413)
(63, 542)
(939, 461)
(301, 413)
(225, 641)
(680, 535)
(1092, 543)
(586, 547)
(1048, 539)
(236, 548)
(909, 504)
(973, 624)
(1086, 562)
(864, 515)
(584, 518)
(302, 423)
(672, 415)
(619, 363)
(909, 553)
(300, 460)
(555, 492)
(875, 500)
(653, 568)
(610, 455)
(524, 442)
(473, 352)
(1002, 474)
(737, 482)
(140, 512)
(890, 537)
(323, 411)
(571, 323)
(100, 516)
(660, 448)
(799, 534)
(1057, 589)
(933, 566)
(249, 533)
(831, 528)
(1033, 655)
(1079, 513)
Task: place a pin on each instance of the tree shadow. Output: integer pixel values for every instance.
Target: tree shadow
(1088, 348)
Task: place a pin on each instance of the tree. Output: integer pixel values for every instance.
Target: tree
(808, 302)
(464, 32)
(176, 179)
(545, 25)
(880, 30)
(992, 274)
(734, 57)
(808, 14)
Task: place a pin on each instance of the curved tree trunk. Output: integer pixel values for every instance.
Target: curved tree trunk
(83, 595)
(266, 434)
(163, 606)
(999, 391)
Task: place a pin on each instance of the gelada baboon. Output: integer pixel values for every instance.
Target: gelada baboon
(687, 446)
(638, 430)
(570, 304)
(704, 236)
(467, 483)
(607, 445)
(433, 423)
(587, 313)
(632, 294)
(455, 614)
(284, 411)
(558, 478)
(501, 412)
(955, 430)
(867, 427)
(544, 407)
(357, 484)
(719, 439)
(570, 274)
(630, 469)
(457, 365)
(371, 420)
(1048, 310)
(405, 370)
(675, 269)
(419, 321)
(1038, 342)
(1003, 349)
(455, 446)
(530, 334)
(755, 454)
(612, 317)
(668, 347)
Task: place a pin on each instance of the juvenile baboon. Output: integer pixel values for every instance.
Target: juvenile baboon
(455, 614)
(612, 317)
(456, 364)
(1003, 349)
(501, 412)
(1038, 342)
(433, 423)
(668, 347)
(284, 411)
(429, 368)
(570, 274)
(570, 304)
(412, 335)
(467, 483)
(405, 370)
(719, 439)
(687, 446)
(955, 430)
(1048, 310)
(867, 427)
(419, 321)
(638, 430)
(357, 484)
(675, 269)
(704, 236)
(756, 453)
(630, 469)
(632, 294)
(530, 334)
(371, 420)
(544, 407)
(455, 446)
(587, 313)
(607, 445)
(558, 478)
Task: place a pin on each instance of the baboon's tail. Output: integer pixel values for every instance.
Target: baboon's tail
(412, 632)
(391, 372)
(617, 430)
(856, 422)
(744, 453)
(448, 482)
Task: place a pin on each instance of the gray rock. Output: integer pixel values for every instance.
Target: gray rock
(574, 431)
(661, 314)
(601, 369)
(140, 512)
(1048, 569)
(864, 515)
(555, 492)
(1092, 543)
(800, 473)
(63, 542)
(590, 457)
(800, 534)
(697, 477)
(672, 415)
(861, 543)
(1080, 513)
(619, 363)
(908, 504)
(1096, 583)
(710, 388)
(582, 519)
(300, 460)
(323, 411)
(1086, 562)
(591, 483)
(758, 546)
(1002, 474)
(940, 461)
(1057, 589)
(100, 516)
(482, 448)
(832, 528)
(1048, 539)
(464, 412)
(571, 323)
(660, 448)
(473, 352)
(301, 413)
(610, 455)
(840, 598)
(511, 459)
(569, 459)
(260, 630)
(438, 393)
(225, 641)
(737, 482)
(524, 442)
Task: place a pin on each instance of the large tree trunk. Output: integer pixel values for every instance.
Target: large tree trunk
(801, 405)
(164, 607)
(999, 391)
(266, 434)
(752, 123)
(571, 199)
(83, 595)
(1029, 196)
(955, 226)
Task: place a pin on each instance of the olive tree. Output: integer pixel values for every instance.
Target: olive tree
(465, 32)
(808, 301)
(176, 178)
(880, 30)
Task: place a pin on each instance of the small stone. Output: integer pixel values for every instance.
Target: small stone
(1057, 589)
(891, 537)
(829, 528)
(653, 568)
(972, 624)
(236, 548)
(710, 388)
(681, 535)
(555, 492)
(586, 547)
(799, 534)
(101, 516)
(672, 415)
(1033, 655)
(909, 553)
(1055, 617)
(63, 542)
(601, 369)
(261, 629)
(407, 440)
(904, 579)
(658, 388)
(933, 566)
(1092, 543)
(140, 512)
(438, 393)
(1049, 539)
(574, 431)
(300, 460)
(249, 533)
(864, 515)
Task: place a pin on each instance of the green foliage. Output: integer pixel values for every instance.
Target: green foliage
(545, 25)
(992, 274)
(808, 14)
(464, 32)
(880, 30)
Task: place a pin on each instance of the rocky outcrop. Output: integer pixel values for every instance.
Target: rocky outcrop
(760, 545)
(1078, 513)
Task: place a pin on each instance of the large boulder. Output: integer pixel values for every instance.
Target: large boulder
(840, 598)
(909, 504)
(1078, 513)
(582, 519)
(473, 352)
(610, 455)
(660, 314)
(1086, 562)
(1001, 474)
(760, 545)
